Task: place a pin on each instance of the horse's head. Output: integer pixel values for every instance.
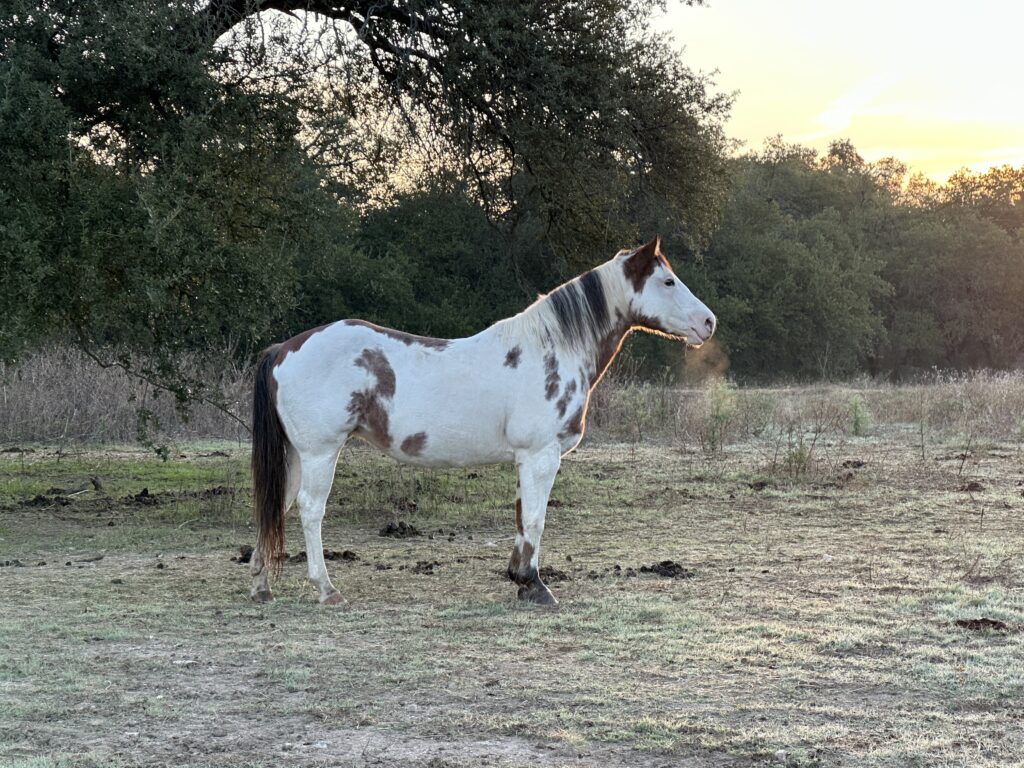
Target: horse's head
(659, 301)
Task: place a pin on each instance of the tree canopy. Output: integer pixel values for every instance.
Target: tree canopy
(189, 176)
(180, 175)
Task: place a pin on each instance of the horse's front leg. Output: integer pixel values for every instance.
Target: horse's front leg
(537, 470)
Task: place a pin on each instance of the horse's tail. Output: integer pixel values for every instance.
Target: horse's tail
(269, 467)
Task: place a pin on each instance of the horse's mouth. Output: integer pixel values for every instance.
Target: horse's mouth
(694, 340)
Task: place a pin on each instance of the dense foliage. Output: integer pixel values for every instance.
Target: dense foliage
(183, 176)
(829, 266)
(196, 176)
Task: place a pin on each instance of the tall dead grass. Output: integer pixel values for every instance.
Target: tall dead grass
(59, 394)
(981, 404)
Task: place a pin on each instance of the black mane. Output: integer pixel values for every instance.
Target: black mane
(581, 309)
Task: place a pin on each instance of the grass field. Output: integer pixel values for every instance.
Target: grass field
(814, 623)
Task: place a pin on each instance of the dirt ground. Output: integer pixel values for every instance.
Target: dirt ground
(801, 621)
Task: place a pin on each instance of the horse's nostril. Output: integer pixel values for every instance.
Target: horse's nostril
(710, 323)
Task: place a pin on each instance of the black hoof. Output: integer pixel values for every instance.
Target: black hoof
(537, 593)
(263, 596)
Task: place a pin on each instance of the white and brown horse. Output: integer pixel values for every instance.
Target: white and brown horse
(515, 392)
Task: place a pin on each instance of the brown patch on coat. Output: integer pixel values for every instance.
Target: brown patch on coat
(527, 553)
(575, 424)
(519, 569)
(279, 352)
(406, 338)
(294, 344)
(567, 394)
(607, 348)
(512, 357)
(641, 264)
(374, 361)
(551, 377)
(414, 444)
(372, 419)
(519, 516)
(367, 405)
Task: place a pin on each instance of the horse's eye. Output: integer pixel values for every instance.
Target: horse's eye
(670, 281)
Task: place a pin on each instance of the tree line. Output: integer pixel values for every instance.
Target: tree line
(185, 177)
(828, 266)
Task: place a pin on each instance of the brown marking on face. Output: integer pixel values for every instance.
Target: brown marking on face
(641, 264)
(519, 516)
(414, 444)
(551, 377)
(374, 361)
(406, 338)
(512, 357)
(563, 401)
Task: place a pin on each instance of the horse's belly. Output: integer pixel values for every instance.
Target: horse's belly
(444, 445)
(451, 429)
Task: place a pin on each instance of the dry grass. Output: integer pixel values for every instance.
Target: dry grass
(61, 396)
(818, 629)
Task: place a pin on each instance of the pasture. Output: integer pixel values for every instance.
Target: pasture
(809, 617)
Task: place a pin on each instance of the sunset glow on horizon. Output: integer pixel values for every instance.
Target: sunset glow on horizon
(936, 85)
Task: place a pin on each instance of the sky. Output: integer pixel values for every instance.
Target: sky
(936, 84)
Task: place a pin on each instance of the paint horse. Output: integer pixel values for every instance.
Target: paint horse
(515, 392)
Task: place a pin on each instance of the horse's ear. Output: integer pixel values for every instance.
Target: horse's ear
(652, 248)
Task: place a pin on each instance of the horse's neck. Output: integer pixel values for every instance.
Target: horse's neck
(597, 356)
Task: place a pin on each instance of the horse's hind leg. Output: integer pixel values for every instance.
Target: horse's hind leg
(537, 472)
(315, 486)
(260, 591)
